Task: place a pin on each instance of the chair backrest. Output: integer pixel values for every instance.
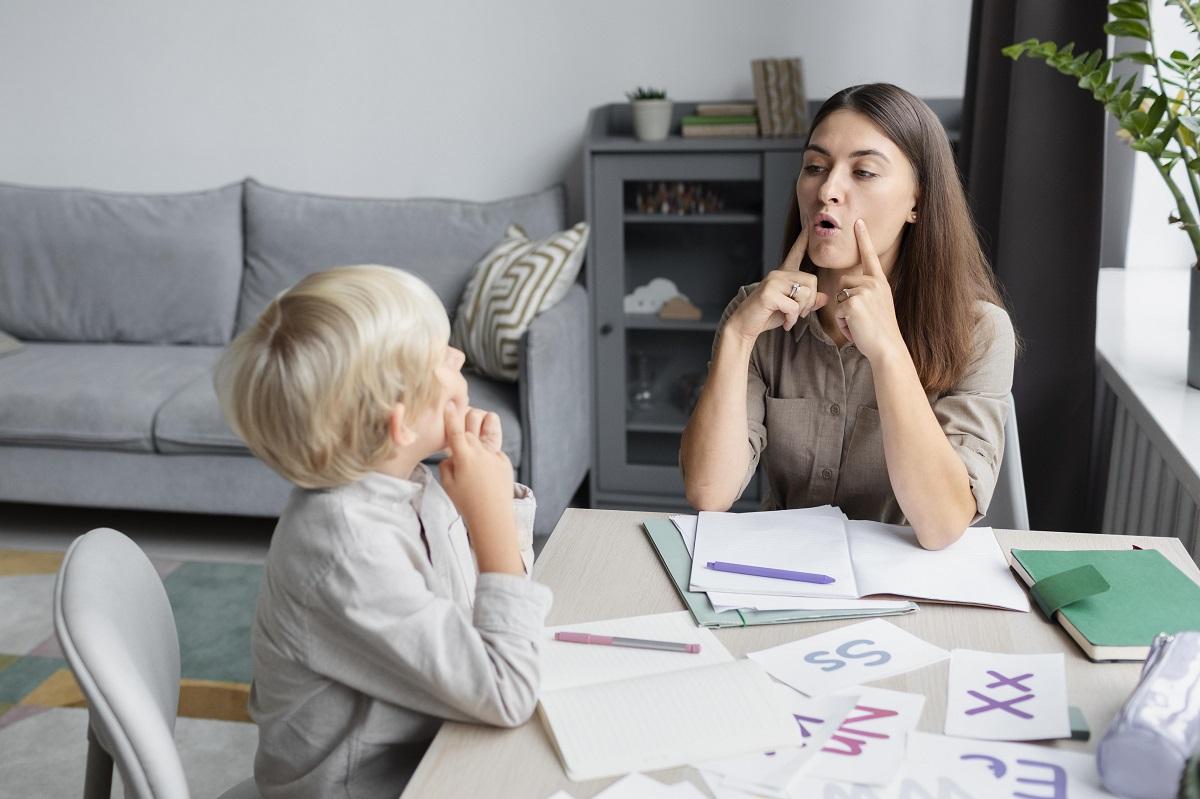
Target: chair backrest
(1008, 509)
(115, 625)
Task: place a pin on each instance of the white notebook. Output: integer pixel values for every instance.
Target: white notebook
(612, 710)
(864, 558)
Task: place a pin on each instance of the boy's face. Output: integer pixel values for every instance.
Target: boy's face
(453, 387)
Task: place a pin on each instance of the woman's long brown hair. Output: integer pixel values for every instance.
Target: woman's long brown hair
(941, 271)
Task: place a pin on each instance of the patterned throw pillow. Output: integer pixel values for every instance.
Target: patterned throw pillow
(513, 283)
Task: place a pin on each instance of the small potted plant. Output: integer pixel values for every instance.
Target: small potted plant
(651, 113)
(1161, 119)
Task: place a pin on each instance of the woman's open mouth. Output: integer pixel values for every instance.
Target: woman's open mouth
(825, 226)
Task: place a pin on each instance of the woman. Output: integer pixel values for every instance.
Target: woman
(872, 369)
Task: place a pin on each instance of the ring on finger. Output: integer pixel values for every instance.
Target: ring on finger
(842, 295)
(792, 293)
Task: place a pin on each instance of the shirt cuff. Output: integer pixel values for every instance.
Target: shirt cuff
(983, 465)
(525, 511)
(506, 603)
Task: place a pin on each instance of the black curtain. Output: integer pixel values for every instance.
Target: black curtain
(1032, 153)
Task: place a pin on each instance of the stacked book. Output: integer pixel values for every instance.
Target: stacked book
(779, 93)
(721, 120)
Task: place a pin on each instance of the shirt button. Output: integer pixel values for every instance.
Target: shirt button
(827, 473)
(835, 409)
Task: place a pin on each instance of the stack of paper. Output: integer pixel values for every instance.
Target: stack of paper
(861, 558)
(612, 710)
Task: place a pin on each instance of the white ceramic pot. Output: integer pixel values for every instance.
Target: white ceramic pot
(651, 119)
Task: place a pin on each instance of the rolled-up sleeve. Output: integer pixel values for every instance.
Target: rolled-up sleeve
(524, 511)
(973, 413)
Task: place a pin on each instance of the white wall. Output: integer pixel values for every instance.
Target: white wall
(1152, 243)
(383, 97)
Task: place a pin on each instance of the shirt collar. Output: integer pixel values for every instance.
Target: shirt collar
(380, 488)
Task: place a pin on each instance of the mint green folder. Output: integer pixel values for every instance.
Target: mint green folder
(678, 563)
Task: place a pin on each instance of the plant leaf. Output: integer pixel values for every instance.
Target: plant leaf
(1136, 56)
(1129, 11)
(1124, 27)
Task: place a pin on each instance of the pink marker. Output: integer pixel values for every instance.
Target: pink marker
(639, 643)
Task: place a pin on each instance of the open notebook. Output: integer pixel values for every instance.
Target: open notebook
(864, 558)
(612, 710)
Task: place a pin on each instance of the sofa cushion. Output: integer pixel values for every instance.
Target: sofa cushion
(78, 265)
(98, 396)
(291, 234)
(191, 420)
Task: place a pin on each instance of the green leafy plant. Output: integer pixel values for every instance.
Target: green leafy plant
(646, 93)
(1161, 119)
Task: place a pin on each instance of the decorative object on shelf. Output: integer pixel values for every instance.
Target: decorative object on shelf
(685, 392)
(678, 198)
(729, 108)
(651, 113)
(512, 284)
(679, 308)
(651, 297)
(641, 387)
(779, 94)
(1161, 119)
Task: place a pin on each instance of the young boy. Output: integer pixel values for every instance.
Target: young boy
(378, 617)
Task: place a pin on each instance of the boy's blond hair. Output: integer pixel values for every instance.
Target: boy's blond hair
(311, 386)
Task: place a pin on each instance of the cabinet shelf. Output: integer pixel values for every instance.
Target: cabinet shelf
(659, 419)
(722, 218)
(711, 317)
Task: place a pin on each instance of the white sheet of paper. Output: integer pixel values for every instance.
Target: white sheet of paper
(851, 655)
(770, 773)
(1017, 769)
(726, 601)
(888, 560)
(560, 795)
(784, 539)
(913, 781)
(686, 525)
(565, 665)
(869, 745)
(1004, 697)
(639, 786)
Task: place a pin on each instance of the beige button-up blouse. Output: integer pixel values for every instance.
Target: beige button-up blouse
(813, 419)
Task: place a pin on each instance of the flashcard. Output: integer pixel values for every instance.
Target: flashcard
(1004, 697)
(1019, 770)
(769, 773)
(859, 653)
(639, 786)
(868, 747)
(915, 781)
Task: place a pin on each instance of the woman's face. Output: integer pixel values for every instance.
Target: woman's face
(853, 171)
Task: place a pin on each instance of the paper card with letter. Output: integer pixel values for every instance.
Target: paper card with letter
(852, 655)
(868, 747)
(1017, 769)
(770, 773)
(1006, 697)
(914, 781)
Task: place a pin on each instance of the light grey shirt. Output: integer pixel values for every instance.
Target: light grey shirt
(373, 625)
(813, 419)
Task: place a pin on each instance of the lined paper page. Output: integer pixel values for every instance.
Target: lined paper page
(973, 570)
(667, 720)
(566, 665)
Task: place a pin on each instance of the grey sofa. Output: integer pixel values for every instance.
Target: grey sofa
(124, 302)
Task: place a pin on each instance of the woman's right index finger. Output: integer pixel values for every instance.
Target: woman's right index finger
(795, 255)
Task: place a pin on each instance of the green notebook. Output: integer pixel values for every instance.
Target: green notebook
(1112, 602)
(678, 563)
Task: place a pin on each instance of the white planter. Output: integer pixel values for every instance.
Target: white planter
(651, 119)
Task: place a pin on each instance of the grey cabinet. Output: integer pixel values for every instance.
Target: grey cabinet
(647, 369)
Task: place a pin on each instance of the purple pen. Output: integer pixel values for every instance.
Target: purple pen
(766, 571)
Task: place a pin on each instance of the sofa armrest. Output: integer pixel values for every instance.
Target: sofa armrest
(555, 392)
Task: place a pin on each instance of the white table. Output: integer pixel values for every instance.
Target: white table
(601, 565)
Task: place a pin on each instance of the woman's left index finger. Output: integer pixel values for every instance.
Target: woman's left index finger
(866, 250)
(795, 256)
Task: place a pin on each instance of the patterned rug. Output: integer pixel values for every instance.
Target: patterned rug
(43, 722)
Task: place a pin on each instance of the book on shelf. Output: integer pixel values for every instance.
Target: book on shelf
(779, 96)
(729, 109)
(743, 119)
(720, 131)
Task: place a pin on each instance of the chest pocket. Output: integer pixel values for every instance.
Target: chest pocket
(791, 445)
(864, 483)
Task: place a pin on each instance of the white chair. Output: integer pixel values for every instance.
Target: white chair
(115, 625)
(1008, 509)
